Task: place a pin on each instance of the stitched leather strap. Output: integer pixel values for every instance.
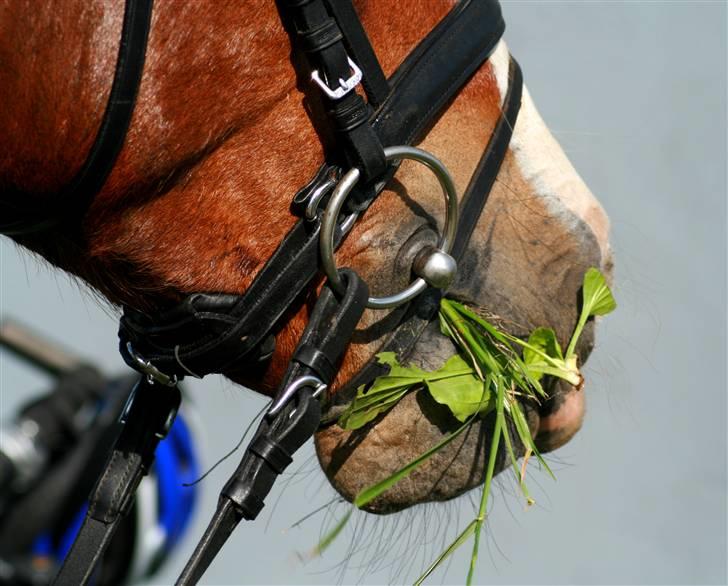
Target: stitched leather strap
(278, 437)
(207, 339)
(358, 45)
(20, 218)
(424, 309)
(320, 37)
(148, 418)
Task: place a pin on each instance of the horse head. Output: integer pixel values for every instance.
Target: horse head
(223, 134)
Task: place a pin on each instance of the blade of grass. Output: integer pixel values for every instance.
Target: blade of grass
(492, 457)
(458, 308)
(328, 539)
(468, 341)
(369, 494)
(519, 420)
(459, 540)
(519, 471)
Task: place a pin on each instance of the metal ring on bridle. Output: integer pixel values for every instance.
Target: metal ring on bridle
(347, 183)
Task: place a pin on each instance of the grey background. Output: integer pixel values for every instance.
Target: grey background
(636, 94)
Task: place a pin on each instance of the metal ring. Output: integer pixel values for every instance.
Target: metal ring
(347, 183)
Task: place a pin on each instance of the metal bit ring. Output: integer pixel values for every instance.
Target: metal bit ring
(344, 187)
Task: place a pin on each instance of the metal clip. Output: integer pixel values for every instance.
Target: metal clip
(317, 195)
(307, 380)
(345, 85)
(154, 375)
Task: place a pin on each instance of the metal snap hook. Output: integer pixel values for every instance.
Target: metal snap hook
(153, 374)
(307, 380)
(438, 269)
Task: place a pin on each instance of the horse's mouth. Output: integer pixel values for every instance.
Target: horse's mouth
(355, 460)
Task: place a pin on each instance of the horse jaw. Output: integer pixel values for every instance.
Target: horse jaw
(541, 230)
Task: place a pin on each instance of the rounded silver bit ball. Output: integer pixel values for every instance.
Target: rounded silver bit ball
(435, 266)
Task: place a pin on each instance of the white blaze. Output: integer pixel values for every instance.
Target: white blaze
(543, 163)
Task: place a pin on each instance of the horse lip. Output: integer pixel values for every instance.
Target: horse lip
(340, 401)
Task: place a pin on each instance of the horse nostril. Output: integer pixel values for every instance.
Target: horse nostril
(561, 418)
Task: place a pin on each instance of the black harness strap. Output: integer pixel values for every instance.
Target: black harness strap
(214, 333)
(74, 200)
(281, 433)
(206, 336)
(318, 34)
(357, 44)
(425, 307)
(147, 419)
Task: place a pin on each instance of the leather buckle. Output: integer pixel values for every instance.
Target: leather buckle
(345, 85)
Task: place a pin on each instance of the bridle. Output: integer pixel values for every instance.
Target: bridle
(221, 333)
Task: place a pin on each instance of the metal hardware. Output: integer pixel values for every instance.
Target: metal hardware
(154, 375)
(435, 266)
(307, 380)
(444, 245)
(345, 85)
(315, 199)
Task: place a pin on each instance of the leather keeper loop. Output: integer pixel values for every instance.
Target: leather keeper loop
(272, 452)
(320, 38)
(317, 361)
(350, 116)
(251, 506)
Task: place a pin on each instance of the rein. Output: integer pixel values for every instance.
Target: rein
(222, 333)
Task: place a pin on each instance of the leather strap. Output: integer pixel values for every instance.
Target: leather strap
(206, 339)
(278, 437)
(147, 419)
(18, 217)
(321, 39)
(360, 48)
(424, 309)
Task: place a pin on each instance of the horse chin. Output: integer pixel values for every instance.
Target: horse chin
(354, 460)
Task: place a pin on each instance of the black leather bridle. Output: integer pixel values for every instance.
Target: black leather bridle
(221, 333)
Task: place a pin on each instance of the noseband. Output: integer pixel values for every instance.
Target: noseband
(221, 333)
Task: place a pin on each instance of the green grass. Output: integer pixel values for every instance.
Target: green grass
(493, 372)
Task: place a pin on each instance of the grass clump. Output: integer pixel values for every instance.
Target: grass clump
(493, 372)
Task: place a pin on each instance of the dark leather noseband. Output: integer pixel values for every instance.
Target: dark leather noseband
(212, 332)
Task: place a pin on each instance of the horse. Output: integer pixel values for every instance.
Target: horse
(223, 134)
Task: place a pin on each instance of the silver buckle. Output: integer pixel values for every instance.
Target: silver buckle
(298, 383)
(154, 375)
(345, 85)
